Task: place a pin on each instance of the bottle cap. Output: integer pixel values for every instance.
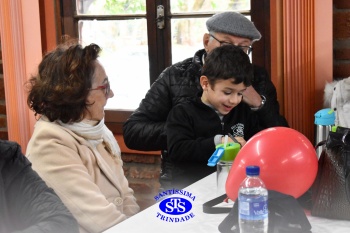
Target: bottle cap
(216, 156)
(252, 170)
(325, 117)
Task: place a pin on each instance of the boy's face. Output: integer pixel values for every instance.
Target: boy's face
(224, 95)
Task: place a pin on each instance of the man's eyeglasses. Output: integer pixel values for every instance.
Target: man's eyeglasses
(106, 88)
(246, 49)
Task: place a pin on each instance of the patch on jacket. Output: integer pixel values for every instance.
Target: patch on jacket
(238, 130)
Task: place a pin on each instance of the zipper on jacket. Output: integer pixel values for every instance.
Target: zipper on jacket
(222, 126)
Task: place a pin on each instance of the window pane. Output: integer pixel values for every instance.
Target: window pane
(124, 56)
(181, 6)
(187, 37)
(110, 7)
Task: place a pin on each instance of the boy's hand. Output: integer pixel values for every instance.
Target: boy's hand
(240, 140)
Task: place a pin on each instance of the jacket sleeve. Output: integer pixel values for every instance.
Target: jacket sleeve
(37, 208)
(183, 143)
(268, 115)
(145, 128)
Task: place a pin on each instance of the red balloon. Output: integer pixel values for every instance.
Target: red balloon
(287, 160)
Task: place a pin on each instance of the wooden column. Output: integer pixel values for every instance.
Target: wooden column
(301, 58)
(21, 53)
(299, 64)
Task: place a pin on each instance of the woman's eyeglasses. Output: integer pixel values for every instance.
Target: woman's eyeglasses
(106, 88)
(246, 49)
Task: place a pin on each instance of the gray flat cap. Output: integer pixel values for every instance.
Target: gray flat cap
(233, 23)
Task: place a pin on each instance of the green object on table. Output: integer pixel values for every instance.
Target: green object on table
(231, 151)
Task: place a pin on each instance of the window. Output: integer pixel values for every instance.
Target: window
(137, 44)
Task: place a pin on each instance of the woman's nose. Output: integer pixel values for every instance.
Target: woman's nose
(110, 94)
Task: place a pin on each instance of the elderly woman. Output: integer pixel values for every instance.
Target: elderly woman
(71, 147)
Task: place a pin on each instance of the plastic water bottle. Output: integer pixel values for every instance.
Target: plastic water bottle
(252, 203)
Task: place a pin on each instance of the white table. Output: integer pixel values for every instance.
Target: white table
(204, 190)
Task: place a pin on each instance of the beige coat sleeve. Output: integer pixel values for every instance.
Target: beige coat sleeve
(68, 165)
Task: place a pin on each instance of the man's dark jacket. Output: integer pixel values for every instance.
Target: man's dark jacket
(27, 204)
(145, 129)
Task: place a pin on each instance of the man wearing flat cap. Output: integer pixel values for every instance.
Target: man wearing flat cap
(145, 129)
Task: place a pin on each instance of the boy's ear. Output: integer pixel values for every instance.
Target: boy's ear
(204, 82)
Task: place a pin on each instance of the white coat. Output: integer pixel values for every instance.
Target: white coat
(89, 181)
(337, 97)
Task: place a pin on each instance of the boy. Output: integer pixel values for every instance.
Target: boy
(195, 127)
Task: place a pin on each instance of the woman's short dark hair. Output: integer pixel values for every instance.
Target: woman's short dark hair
(228, 61)
(60, 89)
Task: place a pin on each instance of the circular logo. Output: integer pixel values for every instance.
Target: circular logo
(175, 205)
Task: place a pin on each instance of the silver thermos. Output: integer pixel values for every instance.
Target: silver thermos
(324, 120)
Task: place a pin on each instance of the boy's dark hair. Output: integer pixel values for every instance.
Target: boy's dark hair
(227, 62)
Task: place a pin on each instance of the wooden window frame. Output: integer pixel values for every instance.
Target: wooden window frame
(161, 47)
